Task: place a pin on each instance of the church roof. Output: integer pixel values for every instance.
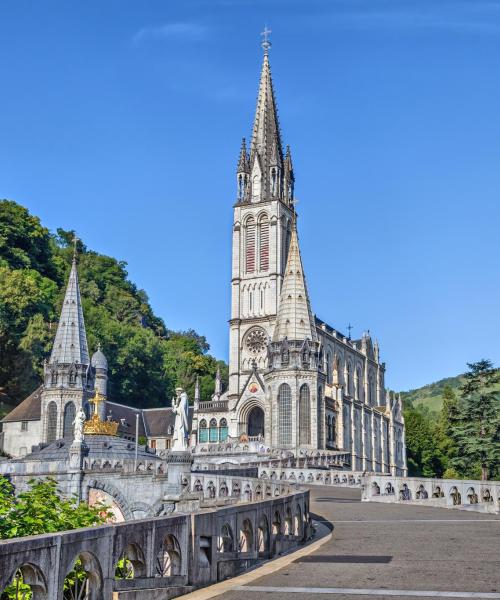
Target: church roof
(70, 344)
(294, 319)
(28, 410)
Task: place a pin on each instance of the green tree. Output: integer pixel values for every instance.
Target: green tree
(444, 427)
(41, 509)
(24, 243)
(146, 360)
(424, 456)
(476, 426)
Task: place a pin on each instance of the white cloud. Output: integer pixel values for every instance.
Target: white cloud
(186, 32)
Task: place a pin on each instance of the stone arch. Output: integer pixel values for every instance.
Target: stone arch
(486, 495)
(85, 575)
(455, 495)
(277, 523)
(211, 489)
(246, 536)
(134, 563)
(117, 497)
(405, 492)
(263, 536)
(225, 542)
(223, 490)
(248, 493)
(422, 493)
(169, 558)
(298, 522)
(472, 496)
(29, 574)
(246, 410)
(438, 492)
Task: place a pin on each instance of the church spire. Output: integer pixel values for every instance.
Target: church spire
(294, 319)
(266, 150)
(70, 344)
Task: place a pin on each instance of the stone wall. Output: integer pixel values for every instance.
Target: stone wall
(170, 555)
(483, 496)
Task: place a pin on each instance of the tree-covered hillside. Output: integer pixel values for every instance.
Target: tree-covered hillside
(146, 360)
(430, 396)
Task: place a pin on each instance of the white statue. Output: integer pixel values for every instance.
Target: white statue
(79, 421)
(180, 407)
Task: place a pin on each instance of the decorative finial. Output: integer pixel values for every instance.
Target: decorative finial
(266, 44)
(349, 328)
(75, 242)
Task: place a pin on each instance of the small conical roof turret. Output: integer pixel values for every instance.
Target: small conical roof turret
(70, 344)
(218, 383)
(294, 319)
(243, 162)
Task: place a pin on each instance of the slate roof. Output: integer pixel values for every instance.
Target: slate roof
(28, 410)
(158, 420)
(125, 415)
(70, 344)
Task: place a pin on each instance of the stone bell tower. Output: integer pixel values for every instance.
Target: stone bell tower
(262, 226)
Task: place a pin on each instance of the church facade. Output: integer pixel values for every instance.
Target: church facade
(294, 381)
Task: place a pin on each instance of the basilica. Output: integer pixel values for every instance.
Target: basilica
(295, 382)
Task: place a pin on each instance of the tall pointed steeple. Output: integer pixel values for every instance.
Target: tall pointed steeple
(70, 344)
(266, 149)
(294, 320)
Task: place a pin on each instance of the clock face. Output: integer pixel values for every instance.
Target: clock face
(256, 341)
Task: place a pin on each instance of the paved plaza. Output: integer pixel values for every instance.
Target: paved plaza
(389, 551)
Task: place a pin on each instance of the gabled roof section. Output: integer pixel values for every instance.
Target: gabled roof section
(70, 344)
(294, 320)
(28, 410)
(266, 137)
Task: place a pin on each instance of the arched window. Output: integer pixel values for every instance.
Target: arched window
(329, 367)
(264, 243)
(250, 245)
(371, 391)
(304, 415)
(203, 432)
(51, 422)
(222, 430)
(284, 414)
(357, 384)
(213, 433)
(69, 417)
(349, 379)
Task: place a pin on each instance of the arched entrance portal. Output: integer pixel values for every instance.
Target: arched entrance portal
(256, 422)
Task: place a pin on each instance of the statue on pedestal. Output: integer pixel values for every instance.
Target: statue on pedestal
(180, 407)
(78, 423)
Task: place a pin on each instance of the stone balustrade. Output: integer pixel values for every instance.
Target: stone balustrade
(310, 476)
(483, 496)
(164, 556)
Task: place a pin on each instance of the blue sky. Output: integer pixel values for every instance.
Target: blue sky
(123, 120)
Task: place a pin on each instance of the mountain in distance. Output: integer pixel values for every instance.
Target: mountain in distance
(431, 395)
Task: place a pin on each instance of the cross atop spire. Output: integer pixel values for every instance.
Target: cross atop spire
(266, 44)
